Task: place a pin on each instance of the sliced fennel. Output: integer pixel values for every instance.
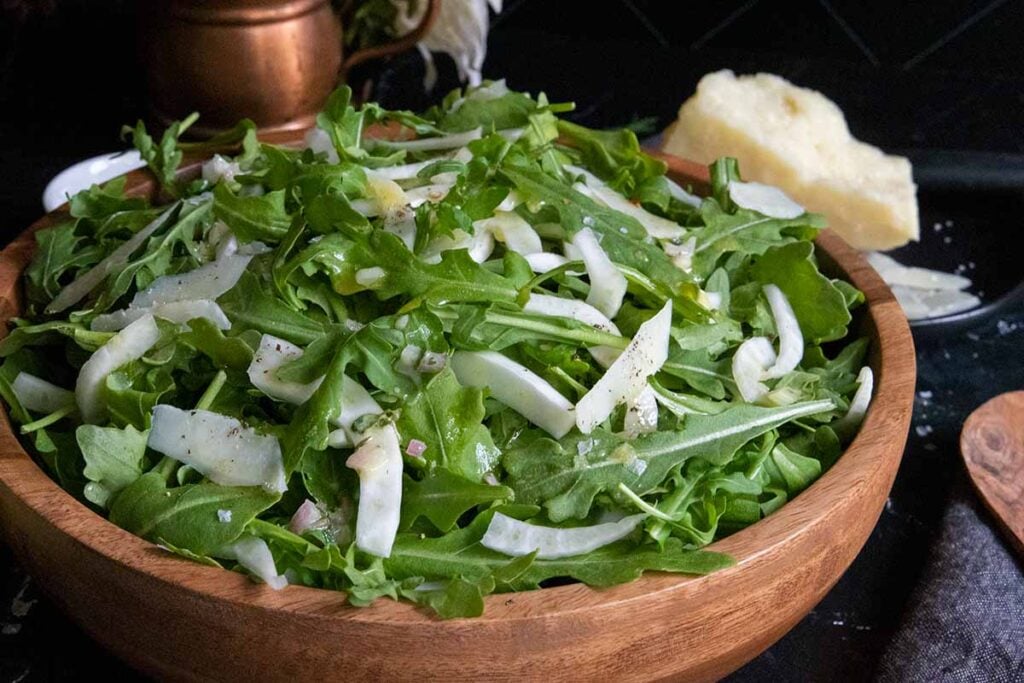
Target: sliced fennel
(38, 395)
(517, 387)
(515, 538)
(607, 284)
(218, 446)
(254, 554)
(378, 461)
(627, 377)
(129, 344)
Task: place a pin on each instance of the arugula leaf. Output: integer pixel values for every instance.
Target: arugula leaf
(344, 124)
(365, 305)
(259, 217)
(511, 110)
(163, 158)
(819, 305)
(158, 256)
(457, 278)
(247, 305)
(101, 201)
(460, 554)
(327, 478)
(57, 252)
(114, 458)
(497, 327)
(745, 232)
(447, 417)
(225, 352)
(186, 516)
(443, 497)
(565, 477)
(622, 237)
(613, 155)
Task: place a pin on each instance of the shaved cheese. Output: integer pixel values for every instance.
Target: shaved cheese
(441, 142)
(919, 304)
(545, 261)
(480, 245)
(791, 339)
(858, 404)
(895, 273)
(766, 199)
(356, 401)
(749, 364)
(254, 554)
(86, 282)
(38, 395)
(513, 231)
(208, 281)
(129, 344)
(545, 304)
(175, 311)
(641, 414)
(607, 284)
(219, 447)
(515, 538)
(378, 461)
(627, 376)
(517, 387)
(595, 188)
(910, 301)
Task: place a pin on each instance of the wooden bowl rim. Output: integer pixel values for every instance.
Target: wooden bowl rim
(855, 470)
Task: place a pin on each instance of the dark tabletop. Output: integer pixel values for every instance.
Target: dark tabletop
(931, 78)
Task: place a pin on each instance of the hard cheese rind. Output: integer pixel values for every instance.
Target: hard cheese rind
(797, 139)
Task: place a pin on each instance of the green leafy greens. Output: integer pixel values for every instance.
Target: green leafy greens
(311, 312)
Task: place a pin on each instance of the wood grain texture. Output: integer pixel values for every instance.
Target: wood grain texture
(181, 621)
(992, 444)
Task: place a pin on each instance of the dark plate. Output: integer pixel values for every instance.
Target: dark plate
(973, 232)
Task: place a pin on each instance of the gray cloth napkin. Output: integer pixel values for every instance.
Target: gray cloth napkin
(965, 619)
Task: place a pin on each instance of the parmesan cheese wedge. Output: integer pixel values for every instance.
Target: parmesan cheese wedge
(798, 139)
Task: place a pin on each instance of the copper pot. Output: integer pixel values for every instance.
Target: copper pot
(273, 61)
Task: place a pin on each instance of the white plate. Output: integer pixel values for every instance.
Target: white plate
(84, 174)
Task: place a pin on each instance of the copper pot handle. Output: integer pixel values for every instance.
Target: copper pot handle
(406, 42)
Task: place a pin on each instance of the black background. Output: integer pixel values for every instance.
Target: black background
(910, 75)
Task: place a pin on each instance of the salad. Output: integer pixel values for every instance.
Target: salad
(434, 356)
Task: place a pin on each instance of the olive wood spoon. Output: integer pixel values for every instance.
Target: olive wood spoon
(992, 444)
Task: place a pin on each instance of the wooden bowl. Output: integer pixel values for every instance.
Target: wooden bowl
(178, 620)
